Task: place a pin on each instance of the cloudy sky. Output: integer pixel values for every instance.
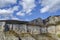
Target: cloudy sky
(28, 9)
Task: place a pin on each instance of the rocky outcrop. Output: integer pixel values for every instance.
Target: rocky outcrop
(52, 20)
(24, 30)
(53, 25)
(37, 21)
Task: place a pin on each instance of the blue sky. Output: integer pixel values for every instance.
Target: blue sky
(28, 9)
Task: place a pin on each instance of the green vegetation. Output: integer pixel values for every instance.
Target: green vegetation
(35, 36)
(58, 35)
(11, 32)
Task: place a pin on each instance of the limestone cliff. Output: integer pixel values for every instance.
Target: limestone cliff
(53, 25)
(37, 29)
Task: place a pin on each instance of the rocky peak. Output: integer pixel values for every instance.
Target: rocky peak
(37, 21)
(52, 20)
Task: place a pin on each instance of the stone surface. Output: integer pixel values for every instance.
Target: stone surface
(32, 30)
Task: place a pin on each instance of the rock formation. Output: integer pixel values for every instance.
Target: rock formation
(37, 29)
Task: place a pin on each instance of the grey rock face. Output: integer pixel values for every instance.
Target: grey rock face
(37, 21)
(33, 29)
(53, 24)
(52, 20)
(22, 28)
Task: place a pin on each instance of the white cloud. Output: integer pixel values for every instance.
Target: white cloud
(15, 18)
(15, 8)
(50, 5)
(20, 13)
(8, 13)
(27, 20)
(30, 14)
(3, 19)
(44, 9)
(3, 11)
(28, 5)
(4, 3)
(5, 16)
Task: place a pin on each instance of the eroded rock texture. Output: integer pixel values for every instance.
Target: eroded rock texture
(37, 29)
